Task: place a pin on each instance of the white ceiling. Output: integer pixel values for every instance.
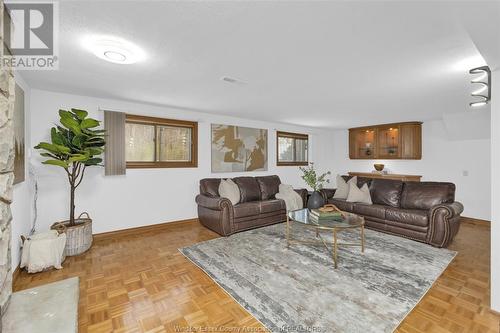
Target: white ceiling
(320, 64)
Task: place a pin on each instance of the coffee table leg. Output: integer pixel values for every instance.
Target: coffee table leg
(335, 247)
(362, 239)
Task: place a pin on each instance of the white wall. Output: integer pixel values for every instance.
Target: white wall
(442, 160)
(22, 194)
(495, 191)
(143, 196)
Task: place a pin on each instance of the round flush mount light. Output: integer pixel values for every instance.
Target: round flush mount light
(114, 49)
(115, 56)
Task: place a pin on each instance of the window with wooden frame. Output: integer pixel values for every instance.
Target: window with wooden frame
(160, 143)
(291, 148)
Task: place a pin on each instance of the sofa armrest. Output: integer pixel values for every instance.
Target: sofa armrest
(303, 194)
(216, 203)
(327, 193)
(444, 222)
(216, 213)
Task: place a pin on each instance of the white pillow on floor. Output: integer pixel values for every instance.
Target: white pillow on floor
(342, 191)
(359, 195)
(228, 189)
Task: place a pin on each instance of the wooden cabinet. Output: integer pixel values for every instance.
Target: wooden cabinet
(388, 141)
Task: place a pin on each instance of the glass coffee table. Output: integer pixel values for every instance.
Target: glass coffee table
(348, 221)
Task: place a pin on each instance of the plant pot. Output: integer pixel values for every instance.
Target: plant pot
(78, 236)
(315, 200)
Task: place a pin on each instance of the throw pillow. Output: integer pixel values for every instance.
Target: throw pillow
(292, 199)
(228, 189)
(343, 187)
(359, 195)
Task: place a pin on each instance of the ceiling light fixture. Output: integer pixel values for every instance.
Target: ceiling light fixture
(232, 80)
(115, 56)
(114, 49)
(484, 79)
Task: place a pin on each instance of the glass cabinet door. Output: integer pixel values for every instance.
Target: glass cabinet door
(388, 143)
(365, 146)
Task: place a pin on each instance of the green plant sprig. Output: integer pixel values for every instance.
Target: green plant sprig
(312, 179)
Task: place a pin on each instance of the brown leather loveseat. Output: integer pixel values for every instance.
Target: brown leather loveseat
(422, 211)
(257, 207)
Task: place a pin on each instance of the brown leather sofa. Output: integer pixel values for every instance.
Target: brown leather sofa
(422, 211)
(258, 206)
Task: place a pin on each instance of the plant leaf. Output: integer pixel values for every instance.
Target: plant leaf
(71, 124)
(53, 148)
(80, 114)
(93, 161)
(89, 123)
(78, 158)
(56, 137)
(60, 163)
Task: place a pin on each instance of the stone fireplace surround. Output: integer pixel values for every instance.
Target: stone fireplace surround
(6, 177)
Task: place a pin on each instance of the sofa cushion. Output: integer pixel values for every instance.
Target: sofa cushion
(247, 209)
(410, 216)
(249, 188)
(342, 204)
(210, 187)
(228, 189)
(269, 206)
(386, 192)
(425, 195)
(370, 210)
(269, 186)
(361, 195)
(343, 187)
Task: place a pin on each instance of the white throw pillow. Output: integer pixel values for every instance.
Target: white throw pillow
(228, 189)
(342, 191)
(359, 195)
(292, 199)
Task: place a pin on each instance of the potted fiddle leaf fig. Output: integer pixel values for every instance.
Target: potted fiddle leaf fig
(315, 182)
(76, 144)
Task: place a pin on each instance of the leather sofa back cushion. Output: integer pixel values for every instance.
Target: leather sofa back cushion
(360, 180)
(269, 186)
(425, 195)
(249, 188)
(210, 186)
(386, 192)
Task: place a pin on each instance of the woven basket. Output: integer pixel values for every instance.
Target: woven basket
(78, 236)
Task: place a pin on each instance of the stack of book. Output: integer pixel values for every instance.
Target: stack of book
(318, 215)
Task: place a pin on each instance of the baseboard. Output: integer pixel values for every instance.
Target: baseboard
(146, 228)
(474, 221)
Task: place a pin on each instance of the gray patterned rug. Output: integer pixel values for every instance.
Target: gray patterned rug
(297, 289)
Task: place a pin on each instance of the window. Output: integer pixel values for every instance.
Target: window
(291, 148)
(160, 143)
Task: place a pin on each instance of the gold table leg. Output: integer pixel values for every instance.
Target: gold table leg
(362, 239)
(335, 247)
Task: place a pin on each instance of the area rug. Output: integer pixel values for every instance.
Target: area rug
(51, 308)
(297, 289)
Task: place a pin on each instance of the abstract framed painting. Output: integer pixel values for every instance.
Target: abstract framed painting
(238, 149)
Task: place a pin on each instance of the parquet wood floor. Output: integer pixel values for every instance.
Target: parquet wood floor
(141, 283)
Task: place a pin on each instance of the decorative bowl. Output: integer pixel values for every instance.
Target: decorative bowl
(378, 166)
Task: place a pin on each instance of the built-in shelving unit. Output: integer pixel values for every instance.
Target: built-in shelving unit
(387, 141)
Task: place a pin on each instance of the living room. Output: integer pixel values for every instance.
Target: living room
(253, 89)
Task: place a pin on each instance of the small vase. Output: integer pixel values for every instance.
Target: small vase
(315, 200)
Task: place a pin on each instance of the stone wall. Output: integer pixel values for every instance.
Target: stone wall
(7, 86)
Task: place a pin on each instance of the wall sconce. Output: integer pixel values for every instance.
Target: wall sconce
(483, 93)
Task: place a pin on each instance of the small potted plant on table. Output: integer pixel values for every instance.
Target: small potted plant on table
(316, 183)
(75, 145)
